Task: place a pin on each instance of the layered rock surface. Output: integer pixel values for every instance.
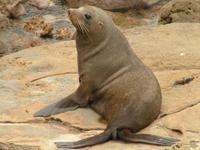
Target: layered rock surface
(180, 11)
(171, 51)
(105, 4)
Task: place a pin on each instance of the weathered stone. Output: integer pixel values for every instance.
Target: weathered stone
(38, 26)
(10, 146)
(16, 9)
(167, 47)
(3, 48)
(36, 134)
(173, 57)
(180, 11)
(4, 22)
(41, 4)
(177, 97)
(13, 42)
(108, 4)
(192, 145)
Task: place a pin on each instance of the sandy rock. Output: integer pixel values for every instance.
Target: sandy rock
(42, 26)
(113, 4)
(42, 135)
(107, 4)
(16, 9)
(63, 33)
(173, 45)
(173, 57)
(10, 146)
(4, 22)
(12, 42)
(180, 11)
(38, 26)
(193, 145)
(41, 4)
(3, 49)
(12, 8)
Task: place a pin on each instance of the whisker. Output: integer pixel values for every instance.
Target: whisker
(85, 31)
(80, 26)
(85, 28)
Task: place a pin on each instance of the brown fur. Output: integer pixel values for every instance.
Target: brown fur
(113, 81)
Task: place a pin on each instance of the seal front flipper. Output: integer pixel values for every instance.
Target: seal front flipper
(98, 139)
(80, 98)
(67, 104)
(128, 136)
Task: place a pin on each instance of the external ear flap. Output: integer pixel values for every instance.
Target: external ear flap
(101, 24)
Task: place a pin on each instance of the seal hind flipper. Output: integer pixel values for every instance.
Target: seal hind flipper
(124, 135)
(128, 136)
(66, 104)
(98, 139)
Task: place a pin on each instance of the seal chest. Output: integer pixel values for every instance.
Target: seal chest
(114, 82)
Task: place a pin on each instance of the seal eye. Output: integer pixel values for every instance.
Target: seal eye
(88, 17)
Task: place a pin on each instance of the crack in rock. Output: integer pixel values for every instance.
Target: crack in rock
(58, 120)
(177, 131)
(184, 81)
(179, 110)
(53, 121)
(192, 131)
(10, 146)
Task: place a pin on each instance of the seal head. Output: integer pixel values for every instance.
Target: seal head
(90, 22)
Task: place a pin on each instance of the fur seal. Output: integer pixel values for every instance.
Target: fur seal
(114, 82)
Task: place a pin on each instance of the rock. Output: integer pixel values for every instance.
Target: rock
(63, 33)
(3, 9)
(107, 4)
(16, 9)
(3, 49)
(42, 135)
(175, 43)
(173, 57)
(4, 22)
(180, 11)
(113, 4)
(12, 42)
(43, 27)
(38, 26)
(193, 145)
(181, 121)
(10, 146)
(12, 8)
(41, 4)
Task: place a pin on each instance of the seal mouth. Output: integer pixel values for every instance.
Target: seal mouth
(77, 20)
